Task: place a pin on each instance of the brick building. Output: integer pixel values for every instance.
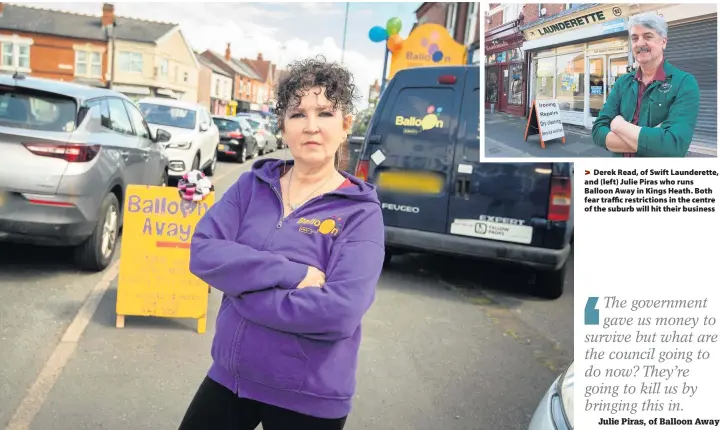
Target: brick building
(461, 19)
(137, 57)
(63, 51)
(574, 53)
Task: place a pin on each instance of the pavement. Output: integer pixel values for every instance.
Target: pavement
(504, 134)
(450, 344)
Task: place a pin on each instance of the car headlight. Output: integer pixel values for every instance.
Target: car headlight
(567, 394)
(180, 145)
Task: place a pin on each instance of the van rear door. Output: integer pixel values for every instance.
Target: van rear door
(411, 144)
(506, 202)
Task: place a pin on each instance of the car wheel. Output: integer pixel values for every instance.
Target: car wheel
(96, 253)
(164, 179)
(550, 284)
(242, 156)
(257, 151)
(210, 170)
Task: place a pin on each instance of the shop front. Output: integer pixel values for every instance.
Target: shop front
(504, 70)
(577, 58)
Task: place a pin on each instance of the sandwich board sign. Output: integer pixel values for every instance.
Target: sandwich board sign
(154, 277)
(545, 120)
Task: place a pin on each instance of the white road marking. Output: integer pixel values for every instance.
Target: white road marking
(36, 395)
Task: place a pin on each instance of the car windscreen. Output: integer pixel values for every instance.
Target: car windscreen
(168, 115)
(254, 124)
(37, 110)
(226, 124)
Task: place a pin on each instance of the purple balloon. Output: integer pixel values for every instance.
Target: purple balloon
(437, 56)
(433, 49)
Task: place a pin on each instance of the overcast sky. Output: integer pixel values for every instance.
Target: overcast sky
(303, 29)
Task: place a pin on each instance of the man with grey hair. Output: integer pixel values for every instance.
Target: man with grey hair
(650, 113)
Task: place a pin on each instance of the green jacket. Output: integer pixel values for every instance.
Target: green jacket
(674, 103)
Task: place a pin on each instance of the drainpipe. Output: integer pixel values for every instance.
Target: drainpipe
(111, 57)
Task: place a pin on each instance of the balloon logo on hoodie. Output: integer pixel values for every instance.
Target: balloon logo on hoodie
(329, 226)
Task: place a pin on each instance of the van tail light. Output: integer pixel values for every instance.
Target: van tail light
(235, 135)
(447, 79)
(361, 171)
(560, 198)
(70, 152)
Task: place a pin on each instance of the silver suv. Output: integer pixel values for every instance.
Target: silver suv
(67, 153)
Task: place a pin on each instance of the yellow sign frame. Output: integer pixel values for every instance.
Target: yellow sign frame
(415, 50)
(154, 277)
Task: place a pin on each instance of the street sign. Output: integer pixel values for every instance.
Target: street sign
(155, 278)
(544, 119)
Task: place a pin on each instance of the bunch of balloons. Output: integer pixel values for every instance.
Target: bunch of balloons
(390, 33)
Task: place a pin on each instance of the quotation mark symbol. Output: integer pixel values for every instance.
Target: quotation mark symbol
(617, 11)
(592, 314)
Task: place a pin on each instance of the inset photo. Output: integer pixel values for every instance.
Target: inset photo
(572, 80)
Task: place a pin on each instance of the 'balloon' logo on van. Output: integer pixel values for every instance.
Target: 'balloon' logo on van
(431, 120)
(428, 122)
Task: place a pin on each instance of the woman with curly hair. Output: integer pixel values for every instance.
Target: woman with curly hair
(297, 248)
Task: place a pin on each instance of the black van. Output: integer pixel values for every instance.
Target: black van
(422, 152)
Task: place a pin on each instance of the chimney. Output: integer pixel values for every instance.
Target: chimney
(228, 55)
(260, 56)
(108, 16)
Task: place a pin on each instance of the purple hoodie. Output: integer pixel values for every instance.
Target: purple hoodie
(296, 349)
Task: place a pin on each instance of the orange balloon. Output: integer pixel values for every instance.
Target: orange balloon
(395, 42)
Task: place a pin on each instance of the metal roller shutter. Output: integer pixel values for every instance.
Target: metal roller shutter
(693, 48)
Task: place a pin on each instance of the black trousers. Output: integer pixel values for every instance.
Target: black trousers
(214, 407)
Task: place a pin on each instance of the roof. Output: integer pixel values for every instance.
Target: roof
(235, 65)
(262, 67)
(66, 24)
(68, 89)
(162, 101)
(249, 70)
(212, 66)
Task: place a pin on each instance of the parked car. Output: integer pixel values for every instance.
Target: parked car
(237, 138)
(422, 151)
(265, 138)
(68, 153)
(556, 409)
(195, 137)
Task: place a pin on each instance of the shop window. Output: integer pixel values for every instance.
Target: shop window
(515, 84)
(514, 55)
(570, 82)
(544, 78)
(544, 53)
(491, 85)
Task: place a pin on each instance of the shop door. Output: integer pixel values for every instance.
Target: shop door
(617, 66)
(597, 86)
(504, 89)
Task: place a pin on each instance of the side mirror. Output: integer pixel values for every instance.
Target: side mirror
(204, 127)
(162, 136)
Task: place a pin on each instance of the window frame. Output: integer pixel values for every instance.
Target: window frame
(130, 56)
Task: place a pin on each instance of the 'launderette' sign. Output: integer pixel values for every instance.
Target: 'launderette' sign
(578, 20)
